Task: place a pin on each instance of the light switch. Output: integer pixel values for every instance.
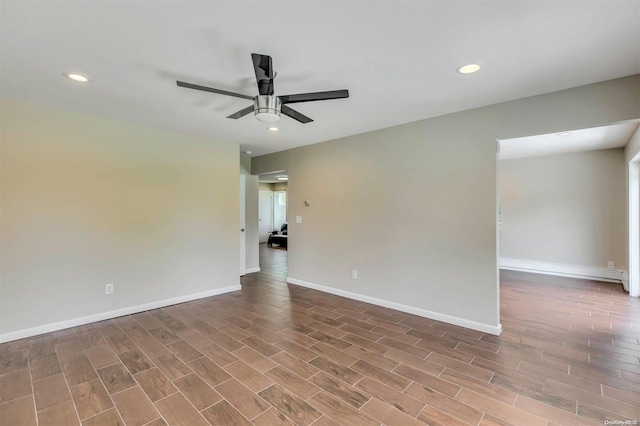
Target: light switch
(298, 219)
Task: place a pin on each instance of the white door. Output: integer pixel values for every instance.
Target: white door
(265, 215)
(243, 243)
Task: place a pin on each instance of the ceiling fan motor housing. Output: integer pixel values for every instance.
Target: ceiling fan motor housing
(267, 108)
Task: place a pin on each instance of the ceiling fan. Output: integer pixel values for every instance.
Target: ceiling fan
(266, 106)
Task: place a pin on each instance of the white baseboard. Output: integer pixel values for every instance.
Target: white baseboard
(625, 281)
(252, 270)
(485, 328)
(574, 271)
(47, 328)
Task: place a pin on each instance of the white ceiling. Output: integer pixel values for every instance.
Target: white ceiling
(398, 59)
(604, 137)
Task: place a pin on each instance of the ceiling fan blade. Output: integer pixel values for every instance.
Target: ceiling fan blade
(316, 96)
(264, 73)
(295, 114)
(242, 112)
(212, 90)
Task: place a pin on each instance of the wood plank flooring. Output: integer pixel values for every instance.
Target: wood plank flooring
(274, 353)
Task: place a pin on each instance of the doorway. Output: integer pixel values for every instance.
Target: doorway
(557, 193)
(272, 204)
(272, 217)
(272, 212)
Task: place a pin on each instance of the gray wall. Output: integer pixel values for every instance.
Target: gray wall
(413, 207)
(565, 209)
(88, 201)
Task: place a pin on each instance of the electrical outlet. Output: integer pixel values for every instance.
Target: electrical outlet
(354, 274)
(610, 264)
(108, 289)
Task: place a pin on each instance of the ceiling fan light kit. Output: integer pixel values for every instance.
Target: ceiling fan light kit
(268, 107)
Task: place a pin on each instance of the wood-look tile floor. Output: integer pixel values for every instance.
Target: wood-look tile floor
(274, 353)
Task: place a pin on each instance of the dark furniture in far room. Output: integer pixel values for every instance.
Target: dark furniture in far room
(278, 237)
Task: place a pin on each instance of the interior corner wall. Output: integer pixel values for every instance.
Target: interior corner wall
(633, 146)
(566, 209)
(252, 259)
(88, 201)
(413, 207)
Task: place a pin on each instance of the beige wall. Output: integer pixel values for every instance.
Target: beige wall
(252, 258)
(413, 208)
(88, 201)
(565, 209)
(280, 186)
(266, 186)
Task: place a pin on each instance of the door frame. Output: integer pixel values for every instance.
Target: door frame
(243, 220)
(634, 226)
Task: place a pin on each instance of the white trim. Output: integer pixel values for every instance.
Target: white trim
(485, 328)
(633, 279)
(47, 328)
(625, 283)
(251, 270)
(574, 271)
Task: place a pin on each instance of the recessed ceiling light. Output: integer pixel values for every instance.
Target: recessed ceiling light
(564, 133)
(273, 129)
(282, 178)
(76, 77)
(469, 69)
(247, 152)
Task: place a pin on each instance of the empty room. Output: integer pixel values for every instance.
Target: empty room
(457, 242)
